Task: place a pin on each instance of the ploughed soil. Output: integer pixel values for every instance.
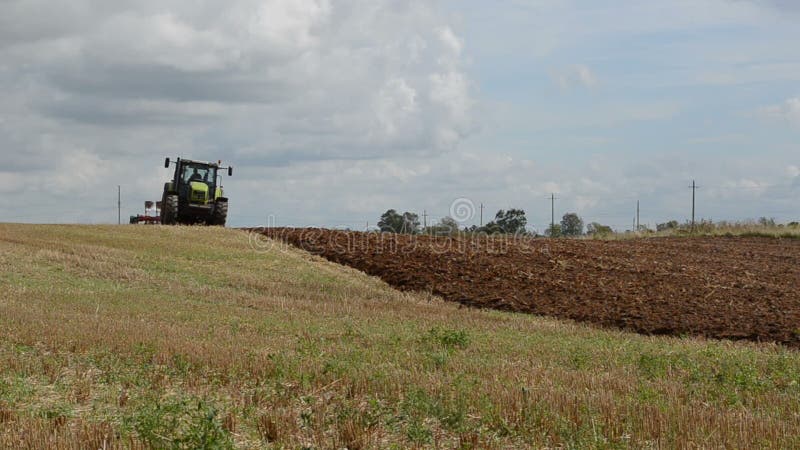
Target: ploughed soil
(720, 287)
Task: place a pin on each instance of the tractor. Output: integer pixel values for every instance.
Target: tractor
(194, 196)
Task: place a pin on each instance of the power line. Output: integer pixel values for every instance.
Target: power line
(694, 188)
(552, 214)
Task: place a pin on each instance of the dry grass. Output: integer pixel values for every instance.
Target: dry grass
(708, 228)
(184, 337)
(745, 229)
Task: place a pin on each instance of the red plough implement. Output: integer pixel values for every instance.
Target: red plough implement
(146, 219)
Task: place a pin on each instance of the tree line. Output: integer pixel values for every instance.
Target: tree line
(511, 221)
(514, 222)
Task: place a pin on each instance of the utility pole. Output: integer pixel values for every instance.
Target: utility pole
(552, 214)
(637, 217)
(424, 219)
(119, 205)
(694, 188)
(481, 214)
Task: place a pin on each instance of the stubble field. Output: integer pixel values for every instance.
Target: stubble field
(185, 337)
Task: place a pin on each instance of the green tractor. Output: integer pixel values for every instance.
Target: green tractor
(194, 194)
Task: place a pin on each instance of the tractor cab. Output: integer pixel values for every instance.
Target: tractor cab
(193, 171)
(195, 180)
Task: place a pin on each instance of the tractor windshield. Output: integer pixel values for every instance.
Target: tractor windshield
(199, 172)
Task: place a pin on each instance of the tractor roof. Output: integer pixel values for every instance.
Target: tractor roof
(194, 161)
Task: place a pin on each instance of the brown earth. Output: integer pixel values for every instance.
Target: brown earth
(720, 287)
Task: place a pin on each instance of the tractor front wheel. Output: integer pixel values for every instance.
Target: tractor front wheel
(169, 210)
(220, 214)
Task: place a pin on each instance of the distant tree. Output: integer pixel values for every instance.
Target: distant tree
(394, 222)
(596, 229)
(391, 221)
(445, 227)
(766, 222)
(671, 225)
(491, 228)
(512, 221)
(410, 223)
(553, 231)
(449, 223)
(571, 225)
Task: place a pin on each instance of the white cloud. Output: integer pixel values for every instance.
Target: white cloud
(396, 105)
(575, 75)
(449, 94)
(279, 71)
(77, 172)
(788, 111)
(449, 38)
(780, 5)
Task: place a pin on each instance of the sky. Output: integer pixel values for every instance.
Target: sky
(332, 112)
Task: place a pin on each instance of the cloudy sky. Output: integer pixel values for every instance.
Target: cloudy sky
(333, 111)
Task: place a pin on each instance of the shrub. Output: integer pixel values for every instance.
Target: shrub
(450, 339)
(179, 424)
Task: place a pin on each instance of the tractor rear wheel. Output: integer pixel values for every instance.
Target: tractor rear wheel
(169, 210)
(220, 214)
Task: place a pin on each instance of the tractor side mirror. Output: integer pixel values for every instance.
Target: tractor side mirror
(230, 171)
(166, 163)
